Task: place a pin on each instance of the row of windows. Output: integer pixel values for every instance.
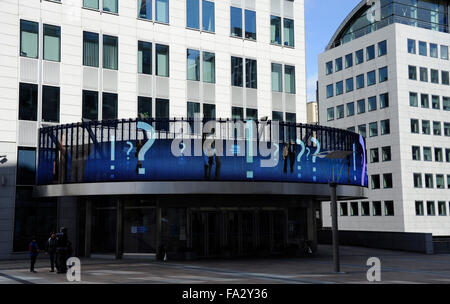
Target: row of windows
(385, 127)
(359, 58)
(375, 181)
(427, 155)
(429, 181)
(426, 127)
(432, 51)
(431, 211)
(425, 101)
(355, 208)
(372, 105)
(423, 76)
(385, 154)
(360, 82)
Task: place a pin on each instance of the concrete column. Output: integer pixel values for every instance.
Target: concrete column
(119, 229)
(88, 229)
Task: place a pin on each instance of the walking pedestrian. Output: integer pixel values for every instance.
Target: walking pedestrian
(50, 250)
(34, 251)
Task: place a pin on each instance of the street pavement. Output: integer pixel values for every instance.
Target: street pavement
(396, 268)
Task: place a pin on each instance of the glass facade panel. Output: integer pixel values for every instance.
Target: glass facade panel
(52, 43)
(29, 37)
(236, 21)
(50, 104)
(90, 105)
(90, 49)
(110, 52)
(208, 16)
(275, 29)
(277, 77)
(162, 60)
(193, 65)
(250, 25)
(91, 4)
(144, 57)
(28, 101)
(110, 6)
(145, 107)
(193, 14)
(209, 67)
(288, 32)
(145, 9)
(251, 74)
(162, 11)
(289, 79)
(237, 71)
(109, 108)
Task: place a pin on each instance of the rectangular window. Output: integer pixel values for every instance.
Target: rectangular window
(145, 9)
(236, 21)
(329, 68)
(209, 112)
(446, 103)
(251, 74)
(382, 48)
(376, 208)
(144, 57)
(444, 52)
(350, 109)
(340, 112)
(383, 74)
(427, 154)
(90, 105)
(26, 166)
(145, 107)
(365, 208)
(50, 104)
(208, 16)
(429, 181)
(424, 74)
(438, 157)
(425, 100)
(237, 71)
(349, 85)
(354, 209)
(437, 128)
(29, 39)
(237, 113)
(442, 208)
(109, 108)
(387, 181)
(110, 52)
(422, 48)
(434, 76)
(414, 126)
(250, 25)
(361, 106)
(162, 114)
(288, 32)
(440, 183)
(28, 101)
(275, 30)
(430, 208)
(385, 127)
(330, 90)
(426, 127)
(386, 154)
(435, 102)
(419, 208)
(389, 208)
(370, 52)
(411, 46)
(415, 153)
(343, 209)
(52, 43)
(375, 181)
(90, 49)
(348, 60)
(447, 155)
(373, 129)
(360, 81)
(93, 4)
(384, 100)
(417, 180)
(110, 6)
(289, 79)
(374, 155)
(362, 130)
(351, 129)
(445, 80)
(162, 11)
(162, 60)
(371, 78)
(193, 14)
(209, 67)
(339, 88)
(433, 50)
(338, 64)
(413, 100)
(277, 116)
(412, 72)
(446, 128)
(330, 114)
(372, 103)
(277, 77)
(192, 109)
(359, 57)
(252, 114)
(193, 65)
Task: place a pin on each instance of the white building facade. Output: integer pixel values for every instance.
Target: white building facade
(385, 75)
(62, 61)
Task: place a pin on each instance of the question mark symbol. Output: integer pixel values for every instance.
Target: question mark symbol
(299, 157)
(182, 149)
(314, 158)
(129, 150)
(277, 146)
(151, 135)
(307, 155)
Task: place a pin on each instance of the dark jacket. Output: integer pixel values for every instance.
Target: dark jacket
(50, 246)
(33, 249)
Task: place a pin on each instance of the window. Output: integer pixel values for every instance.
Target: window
(362, 130)
(447, 155)
(340, 112)
(422, 48)
(110, 52)
(446, 128)
(433, 50)
(28, 101)
(361, 106)
(193, 65)
(373, 129)
(389, 208)
(144, 57)
(411, 46)
(374, 155)
(349, 85)
(91, 4)
(415, 153)
(384, 100)
(251, 80)
(435, 102)
(370, 52)
(348, 60)
(209, 112)
(29, 33)
(330, 114)
(371, 78)
(424, 74)
(277, 116)
(414, 126)
(145, 107)
(52, 43)
(26, 166)
(360, 81)
(237, 71)
(448, 187)
(277, 77)
(430, 208)
(145, 9)
(275, 30)
(382, 48)
(350, 109)
(365, 208)
(419, 208)
(288, 32)
(329, 68)
(438, 157)
(209, 67)
(162, 113)
(442, 209)
(383, 74)
(437, 128)
(250, 25)
(252, 114)
(434, 76)
(412, 72)
(330, 90)
(444, 52)
(162, 60)
(445, 79)
(372, 103)
(192, 109)
(236, 21)
(162, 11)
(339, 88)
(110, 6)
(351, 129)
(208, 17)
(109, 107)
(343, 209)
(376, 207)
(90, 105)
(90, 49)
(426, 127)
(424, 100)
(338, 64)
(50, 104)
(375, 181)
(429, 181)
(237, 113)
(440, 183)
(446, 103)
(193, 14)
(387, 180)
(413, 100)
(386, 154)
(354, 209)
(359, 56)
(385, 127)
(417, 180)
(427, 154)
(289, 79)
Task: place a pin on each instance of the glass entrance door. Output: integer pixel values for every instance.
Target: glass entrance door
(139, 230)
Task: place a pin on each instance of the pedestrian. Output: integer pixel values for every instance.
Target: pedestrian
(62, 244)
(50, 250)
(34, 251)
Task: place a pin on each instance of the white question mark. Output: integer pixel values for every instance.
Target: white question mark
(314, 140)
(150, 134)
(307, 155)
(182, 149)
(299, 157)
(129, 150)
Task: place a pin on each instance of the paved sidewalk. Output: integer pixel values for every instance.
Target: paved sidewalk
(396, 267)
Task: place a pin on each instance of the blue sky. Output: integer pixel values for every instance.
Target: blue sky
(322, 18)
